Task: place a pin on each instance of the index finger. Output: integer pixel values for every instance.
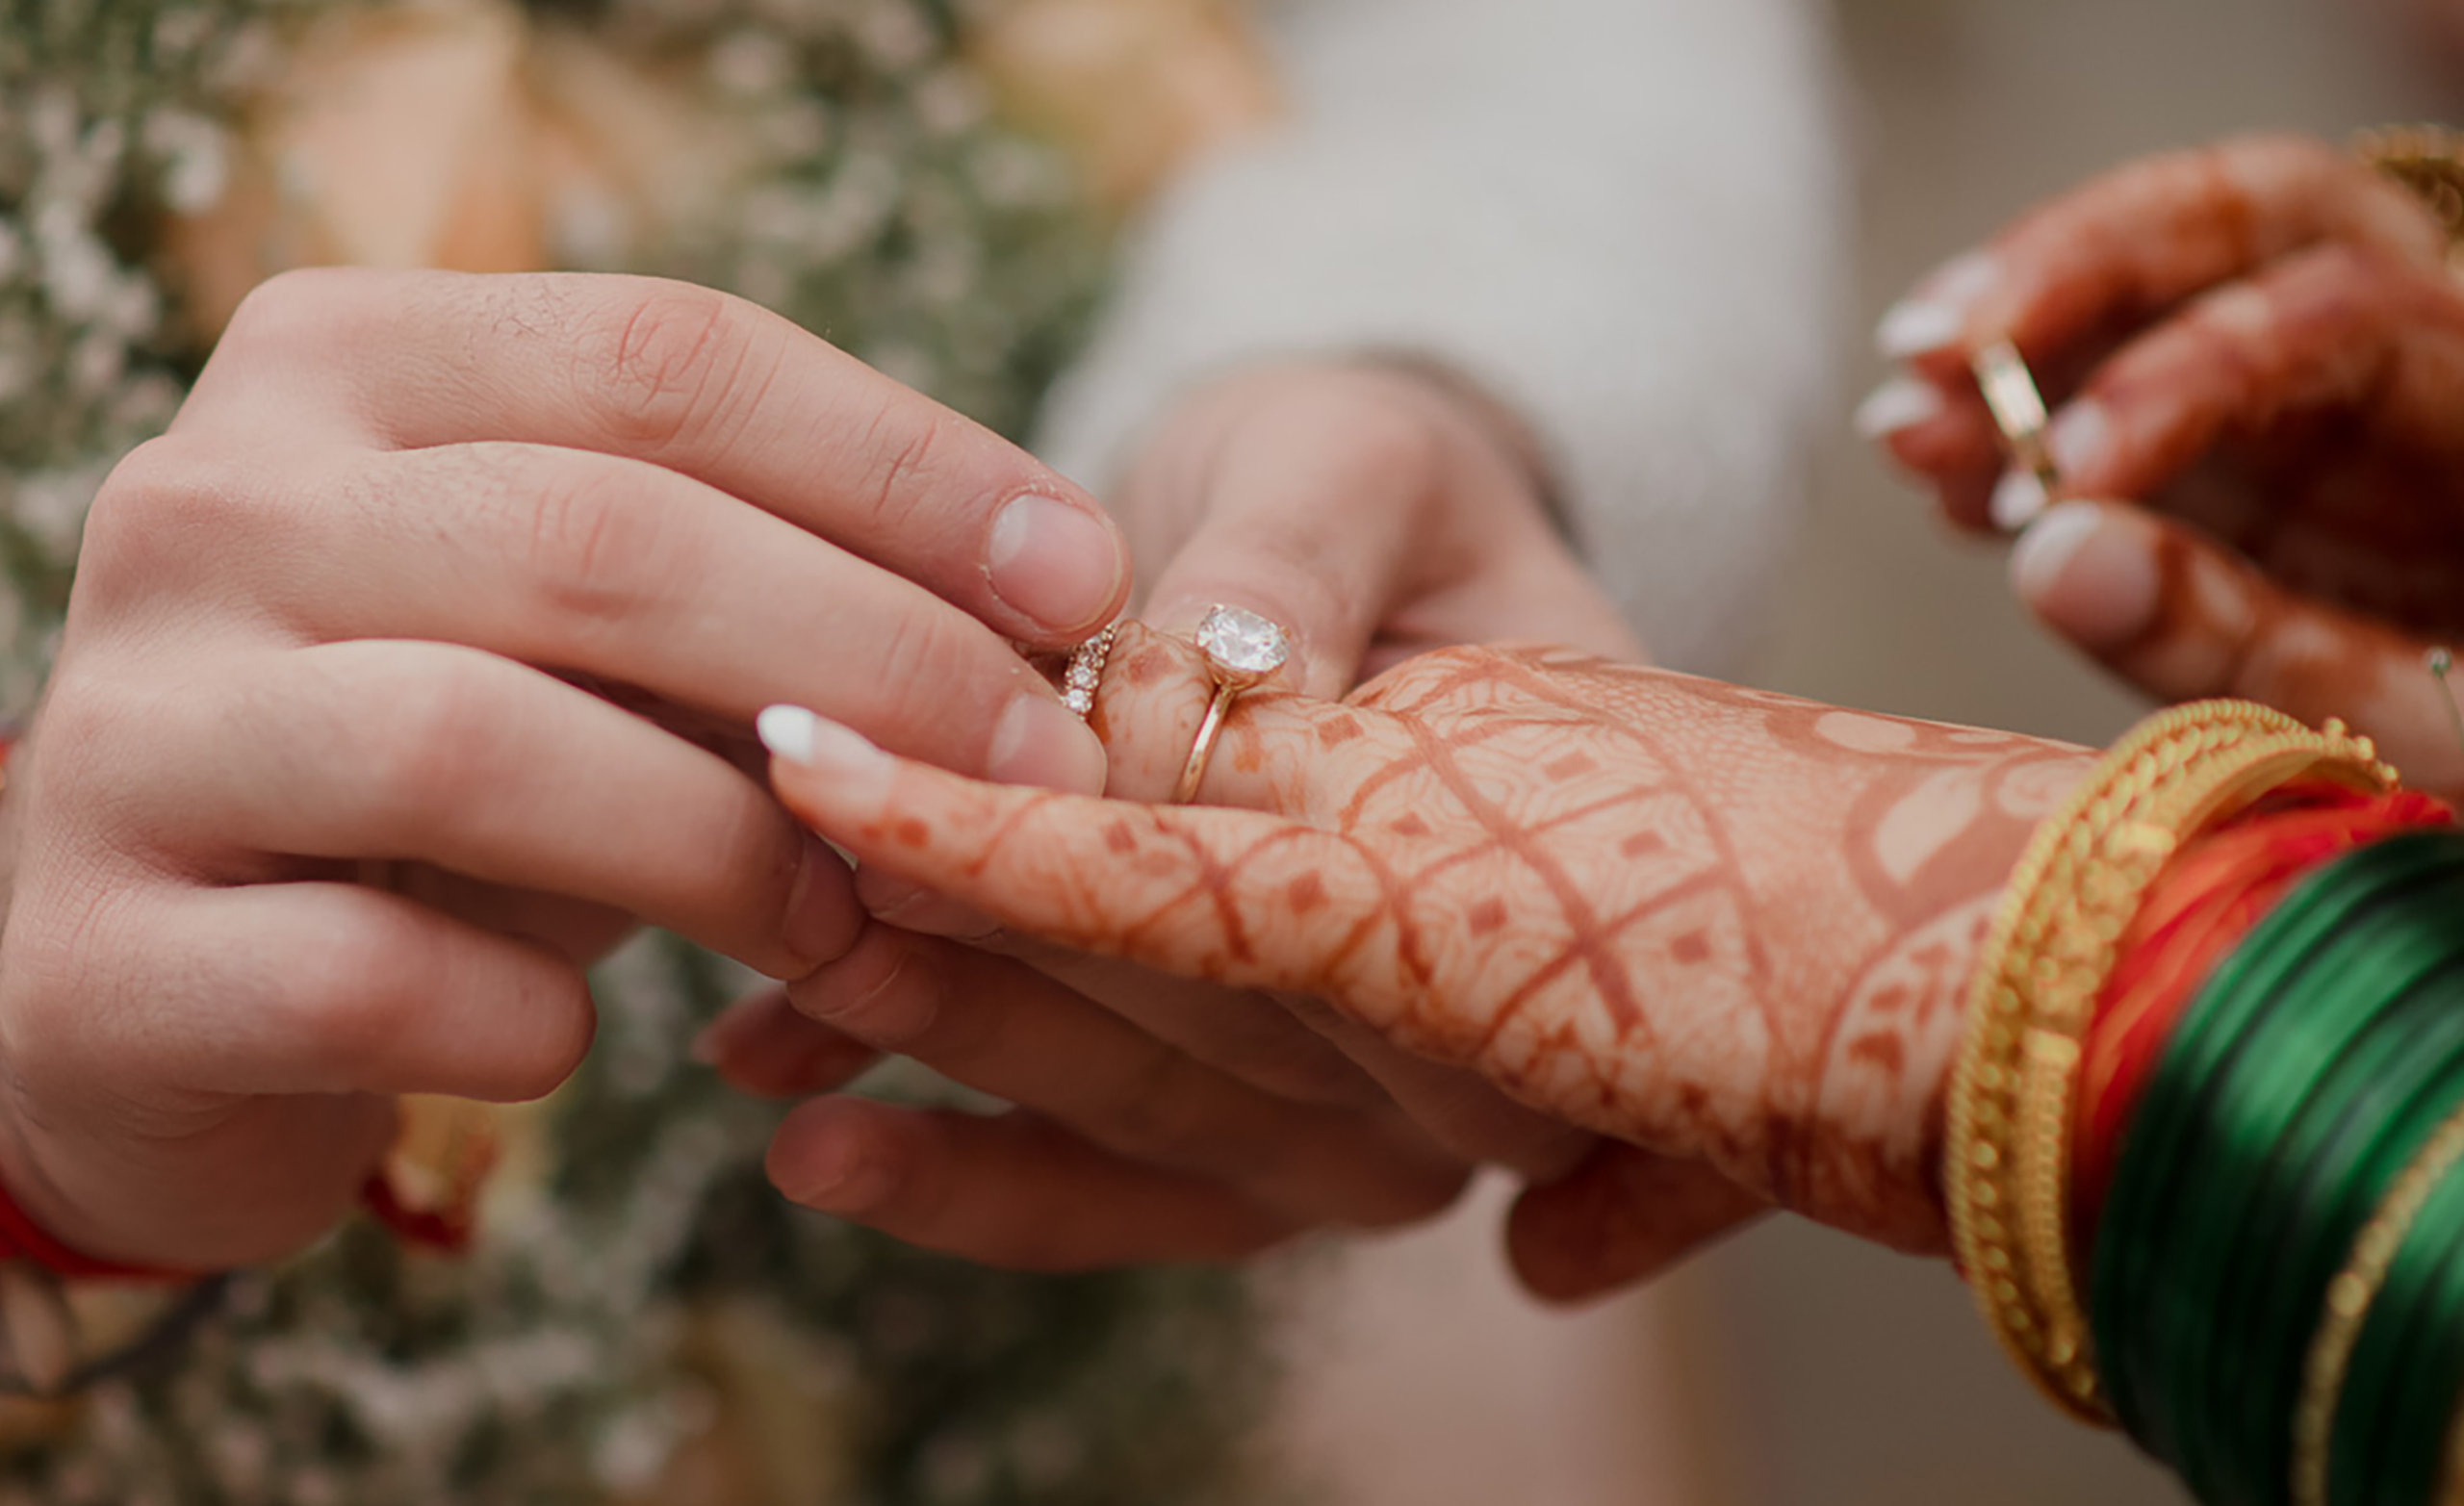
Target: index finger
(697, 381)
(2144, 238)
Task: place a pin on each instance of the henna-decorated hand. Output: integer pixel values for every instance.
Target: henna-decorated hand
(1724, 927)
(2258, 345)
(1376, 509)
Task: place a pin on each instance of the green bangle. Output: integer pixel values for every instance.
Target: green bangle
(2413, 1436)
(2155, 1161)
(2233, 1217)
(2361, 1465)
(2389, 1095)
(2309, 1018)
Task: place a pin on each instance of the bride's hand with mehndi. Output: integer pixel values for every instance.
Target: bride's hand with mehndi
(1376, 508)
(1729, 929)
(2254, 354)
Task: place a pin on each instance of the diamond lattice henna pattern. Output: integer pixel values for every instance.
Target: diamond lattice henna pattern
(1717, 923)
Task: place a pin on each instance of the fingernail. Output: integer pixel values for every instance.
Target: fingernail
(836, 1177)
(1057, 564)
(2017, 498)
(1901, 403)
(2079, 440)
(1039, 742)
(1932, 316)
(798, 736)
(823, 918)
(2086, 576)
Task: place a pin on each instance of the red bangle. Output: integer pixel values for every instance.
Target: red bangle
(2205, 902)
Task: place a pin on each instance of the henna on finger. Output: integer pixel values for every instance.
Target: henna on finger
(1719, 924)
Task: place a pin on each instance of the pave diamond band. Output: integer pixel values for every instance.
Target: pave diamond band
(1085, 672)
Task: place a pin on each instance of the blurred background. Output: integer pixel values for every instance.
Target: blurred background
(1867, 1377)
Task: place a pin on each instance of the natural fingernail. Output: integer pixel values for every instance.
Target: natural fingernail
(2086, 575)
(823, 918)
(2017, 498)
(1932, 316)
(2080, 439)
(795, 735)
(836, 1177)
(1040, 742)
(1060, 565)
(1901, 403)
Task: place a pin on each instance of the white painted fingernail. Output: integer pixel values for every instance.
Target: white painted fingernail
(1901, 403)
(1912, 328)
(2091, 578)
(2046, 548)
(787, 731)
(2080, 439)
(1932, 316)
(798, 736)
(2017, 498)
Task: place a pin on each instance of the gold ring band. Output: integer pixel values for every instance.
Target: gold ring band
(1202, 751)
(1243, 651)
(2019, 409)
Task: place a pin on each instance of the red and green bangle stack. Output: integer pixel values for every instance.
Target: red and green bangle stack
(2260, 1112)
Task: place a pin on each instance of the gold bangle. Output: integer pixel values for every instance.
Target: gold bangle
(2426, 162)
(2007, 1145)
(2347, 1306)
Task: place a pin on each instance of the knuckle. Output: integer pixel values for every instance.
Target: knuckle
(305, 308)
(588, 548)
(439, 733)
(920, 657)
(909, 449)
(666, 366)
(170, 504)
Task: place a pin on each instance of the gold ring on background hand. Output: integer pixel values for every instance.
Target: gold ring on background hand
(2019, 409)
(1243, 651)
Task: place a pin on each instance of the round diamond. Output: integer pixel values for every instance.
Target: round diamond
(1243, 641)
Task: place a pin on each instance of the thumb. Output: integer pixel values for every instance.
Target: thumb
(2182, 617)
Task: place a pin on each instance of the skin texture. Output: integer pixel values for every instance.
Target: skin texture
(1726, 927)
(417, 664)
(1376, 509)
(2257, 356)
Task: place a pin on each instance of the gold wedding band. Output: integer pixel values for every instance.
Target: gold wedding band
(2019, 409)
(1243, 651)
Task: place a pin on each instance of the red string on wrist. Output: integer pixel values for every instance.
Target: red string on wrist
(2204, 903)
(22, 1240)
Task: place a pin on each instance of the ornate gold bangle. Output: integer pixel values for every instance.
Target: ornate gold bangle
(2349, 1299)
(2006, 1151)
(2428, 161)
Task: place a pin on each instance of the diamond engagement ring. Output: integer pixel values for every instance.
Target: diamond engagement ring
(1085, 672)
(1243, 651)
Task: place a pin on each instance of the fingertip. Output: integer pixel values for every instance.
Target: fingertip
(1042, 743)
(2089, 574)
(1063, 566)
(830, 1156)
(1932, 317)
(1900, 403)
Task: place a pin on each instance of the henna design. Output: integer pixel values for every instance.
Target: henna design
(1719, 924)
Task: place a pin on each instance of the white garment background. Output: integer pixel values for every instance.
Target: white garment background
(1625, 218)
(1628, 219)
